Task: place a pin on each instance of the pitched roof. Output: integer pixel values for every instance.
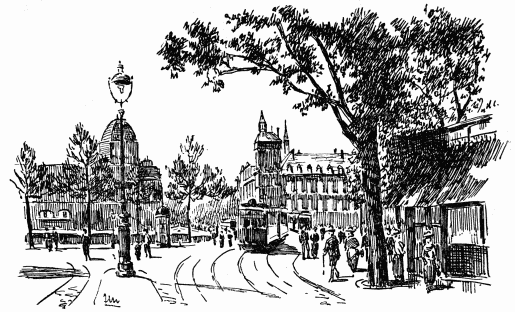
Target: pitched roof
(267, 137)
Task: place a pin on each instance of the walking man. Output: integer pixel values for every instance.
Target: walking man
(137, 250)
(314, 243)
(146, 245)
(86, 241)
(351, 247)
(48, 240)
(333, 250)
(429, 258)
(303, 238)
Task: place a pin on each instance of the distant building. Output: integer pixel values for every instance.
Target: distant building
(68, 215)
(311, 187)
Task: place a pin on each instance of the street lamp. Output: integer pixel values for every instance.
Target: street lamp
(121, 81)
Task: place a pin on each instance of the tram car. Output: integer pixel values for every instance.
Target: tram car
(261, 227)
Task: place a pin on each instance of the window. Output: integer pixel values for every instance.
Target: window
(304, 182)
(335, 186)
(313, 186)
(45, 214)
(325, 185)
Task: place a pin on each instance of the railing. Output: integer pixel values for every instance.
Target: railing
(487, 136)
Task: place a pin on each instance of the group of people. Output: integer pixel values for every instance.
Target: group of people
(221, 234)
(51, 239)
(332, 246)
(147, 241)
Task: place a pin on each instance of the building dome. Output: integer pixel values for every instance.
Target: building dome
(109, 144)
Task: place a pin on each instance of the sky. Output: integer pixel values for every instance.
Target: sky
(56, 58)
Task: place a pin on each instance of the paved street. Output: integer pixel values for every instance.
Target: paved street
(191, 276)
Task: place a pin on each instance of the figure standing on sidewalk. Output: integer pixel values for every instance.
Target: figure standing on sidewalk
(333, 250)
(48, 240)
(398, 257)
(314, 243)
(137, 250)
(429, 258)
(322, 231)
(55, 238)
(351, 247)
(213, 236)
(221, 237)
(86, 241)
(146, 245)
(113, 239)
(390, 243)
(304, 238)
(341, 235)
(229, 237)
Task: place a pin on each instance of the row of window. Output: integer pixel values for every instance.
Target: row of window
(320, 204)
(309, 169)
(318, 186)
(50, 214)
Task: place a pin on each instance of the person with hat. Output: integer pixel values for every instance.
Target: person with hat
(351, 248)
(333, 250)
(147, 244)
(341, 235)
(304, 242)
(429, 258)
(86, 242)
(398, 256)
(314, 243)
(322, 231)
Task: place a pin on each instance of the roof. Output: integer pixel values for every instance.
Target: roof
(267, 137)
(470, 122)
(112, 133)
(301, 162)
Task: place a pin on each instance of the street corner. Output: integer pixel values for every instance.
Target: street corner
(115, 291)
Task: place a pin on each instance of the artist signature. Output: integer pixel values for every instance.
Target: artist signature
(111, 301)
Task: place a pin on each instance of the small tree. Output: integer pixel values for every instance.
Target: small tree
(33, 181)
(190, 182)
(85, 174)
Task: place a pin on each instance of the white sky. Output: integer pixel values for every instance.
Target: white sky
(56, 58)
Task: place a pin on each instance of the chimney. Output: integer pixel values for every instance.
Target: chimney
(277, 131)
(335, 150)
(341, 153)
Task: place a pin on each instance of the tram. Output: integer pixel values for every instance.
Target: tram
(261, 227)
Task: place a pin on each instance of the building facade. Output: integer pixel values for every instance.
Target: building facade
(312, 187)
(68, 214)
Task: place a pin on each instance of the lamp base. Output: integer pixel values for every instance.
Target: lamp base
(125, 270)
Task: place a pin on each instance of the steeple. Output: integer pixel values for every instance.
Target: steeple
(262, 123)
(286, 140)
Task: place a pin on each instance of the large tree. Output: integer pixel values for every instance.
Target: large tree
(33, 181)
(190, 182)
(86, 175)
(357, 69)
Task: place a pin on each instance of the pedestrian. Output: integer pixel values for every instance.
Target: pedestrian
(351, 248)
(229, 237)
(213, 236)
(390, 243)
(322, 232)
(398, 257)
(333, 250)
(341, 235)
(314, 243)
(365, 244)
(86, 242)
(429, 258)
(48, 240)
(146, 245)
(137, 250)
(221, 238)
(55, 238)
(113, 239)
(303, 239)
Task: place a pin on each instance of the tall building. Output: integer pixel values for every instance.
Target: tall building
(311, 187)
(68, 214)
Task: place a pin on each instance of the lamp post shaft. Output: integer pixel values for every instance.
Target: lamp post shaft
(125, 265)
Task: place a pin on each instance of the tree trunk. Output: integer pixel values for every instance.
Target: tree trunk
(29, 222)
(377, 264)
(88, 208)
(188, 218)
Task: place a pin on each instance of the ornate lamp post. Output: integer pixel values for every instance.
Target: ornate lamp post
(121, 81)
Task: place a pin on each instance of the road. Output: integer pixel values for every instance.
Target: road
(190, 276)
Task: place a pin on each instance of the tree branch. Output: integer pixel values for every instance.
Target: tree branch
(334, 75)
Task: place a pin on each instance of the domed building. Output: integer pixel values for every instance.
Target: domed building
(68, 215)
